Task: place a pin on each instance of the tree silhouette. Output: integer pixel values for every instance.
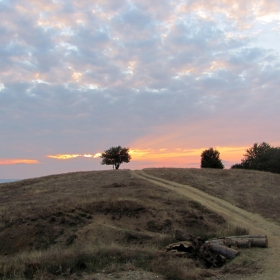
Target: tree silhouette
(211, 159)
(115, 156)
(261, 157)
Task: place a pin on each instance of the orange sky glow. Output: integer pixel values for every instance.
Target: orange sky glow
(71, 156)
(17, 161)
(181, 157)
(176, 157)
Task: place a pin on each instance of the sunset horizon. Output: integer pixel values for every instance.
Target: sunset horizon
(168, 80)
(140, 158)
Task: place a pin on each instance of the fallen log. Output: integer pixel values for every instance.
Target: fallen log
(259, 242)
(255, 242)
(238, 243)
(214, 252)
(243, 241)
(213, 255)
(229, 253)
(245, 236)
(216, 241)
(210, 259)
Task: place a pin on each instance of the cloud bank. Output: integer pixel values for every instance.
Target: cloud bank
(79, 77)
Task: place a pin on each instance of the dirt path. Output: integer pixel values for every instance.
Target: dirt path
(269, 257)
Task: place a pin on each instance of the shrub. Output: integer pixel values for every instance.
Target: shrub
(211, 159)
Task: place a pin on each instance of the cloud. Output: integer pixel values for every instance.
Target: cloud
(18, 161)
(79, 76)
(71, 156)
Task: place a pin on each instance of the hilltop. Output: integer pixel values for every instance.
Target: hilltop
(8, 180)
(104, 224)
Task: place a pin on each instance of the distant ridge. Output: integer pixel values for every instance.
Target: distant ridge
(8, 180)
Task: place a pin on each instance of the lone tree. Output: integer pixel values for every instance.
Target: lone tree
(211, 159)
(115, 156)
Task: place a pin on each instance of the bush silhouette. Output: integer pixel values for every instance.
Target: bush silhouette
(211, 159)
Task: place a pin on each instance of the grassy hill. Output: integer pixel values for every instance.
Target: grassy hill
(254, 191)
(88, 225)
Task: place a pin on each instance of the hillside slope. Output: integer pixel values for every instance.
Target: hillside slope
(270, 257)
(254, 191)
(103, 223)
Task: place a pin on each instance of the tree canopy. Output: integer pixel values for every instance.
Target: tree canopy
(261, 157)
(115, 156)
(211, 159)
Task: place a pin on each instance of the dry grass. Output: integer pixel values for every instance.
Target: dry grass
(254, 191)
(63, 225)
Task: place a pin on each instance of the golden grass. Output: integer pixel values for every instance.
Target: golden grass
(96, 221)
(254, 191)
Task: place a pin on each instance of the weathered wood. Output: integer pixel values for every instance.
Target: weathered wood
(180, 247)
(240, 243)
(245, 236)
(223, 250)
(214, 252)
(259, 242)
(196, 249)
(221, 241)
(245, 241)
(216, 241)
(210, 258)
(255, 242)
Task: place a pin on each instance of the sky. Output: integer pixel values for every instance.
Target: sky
(168, 79)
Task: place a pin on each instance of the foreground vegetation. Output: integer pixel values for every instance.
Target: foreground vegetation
(78, 224)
